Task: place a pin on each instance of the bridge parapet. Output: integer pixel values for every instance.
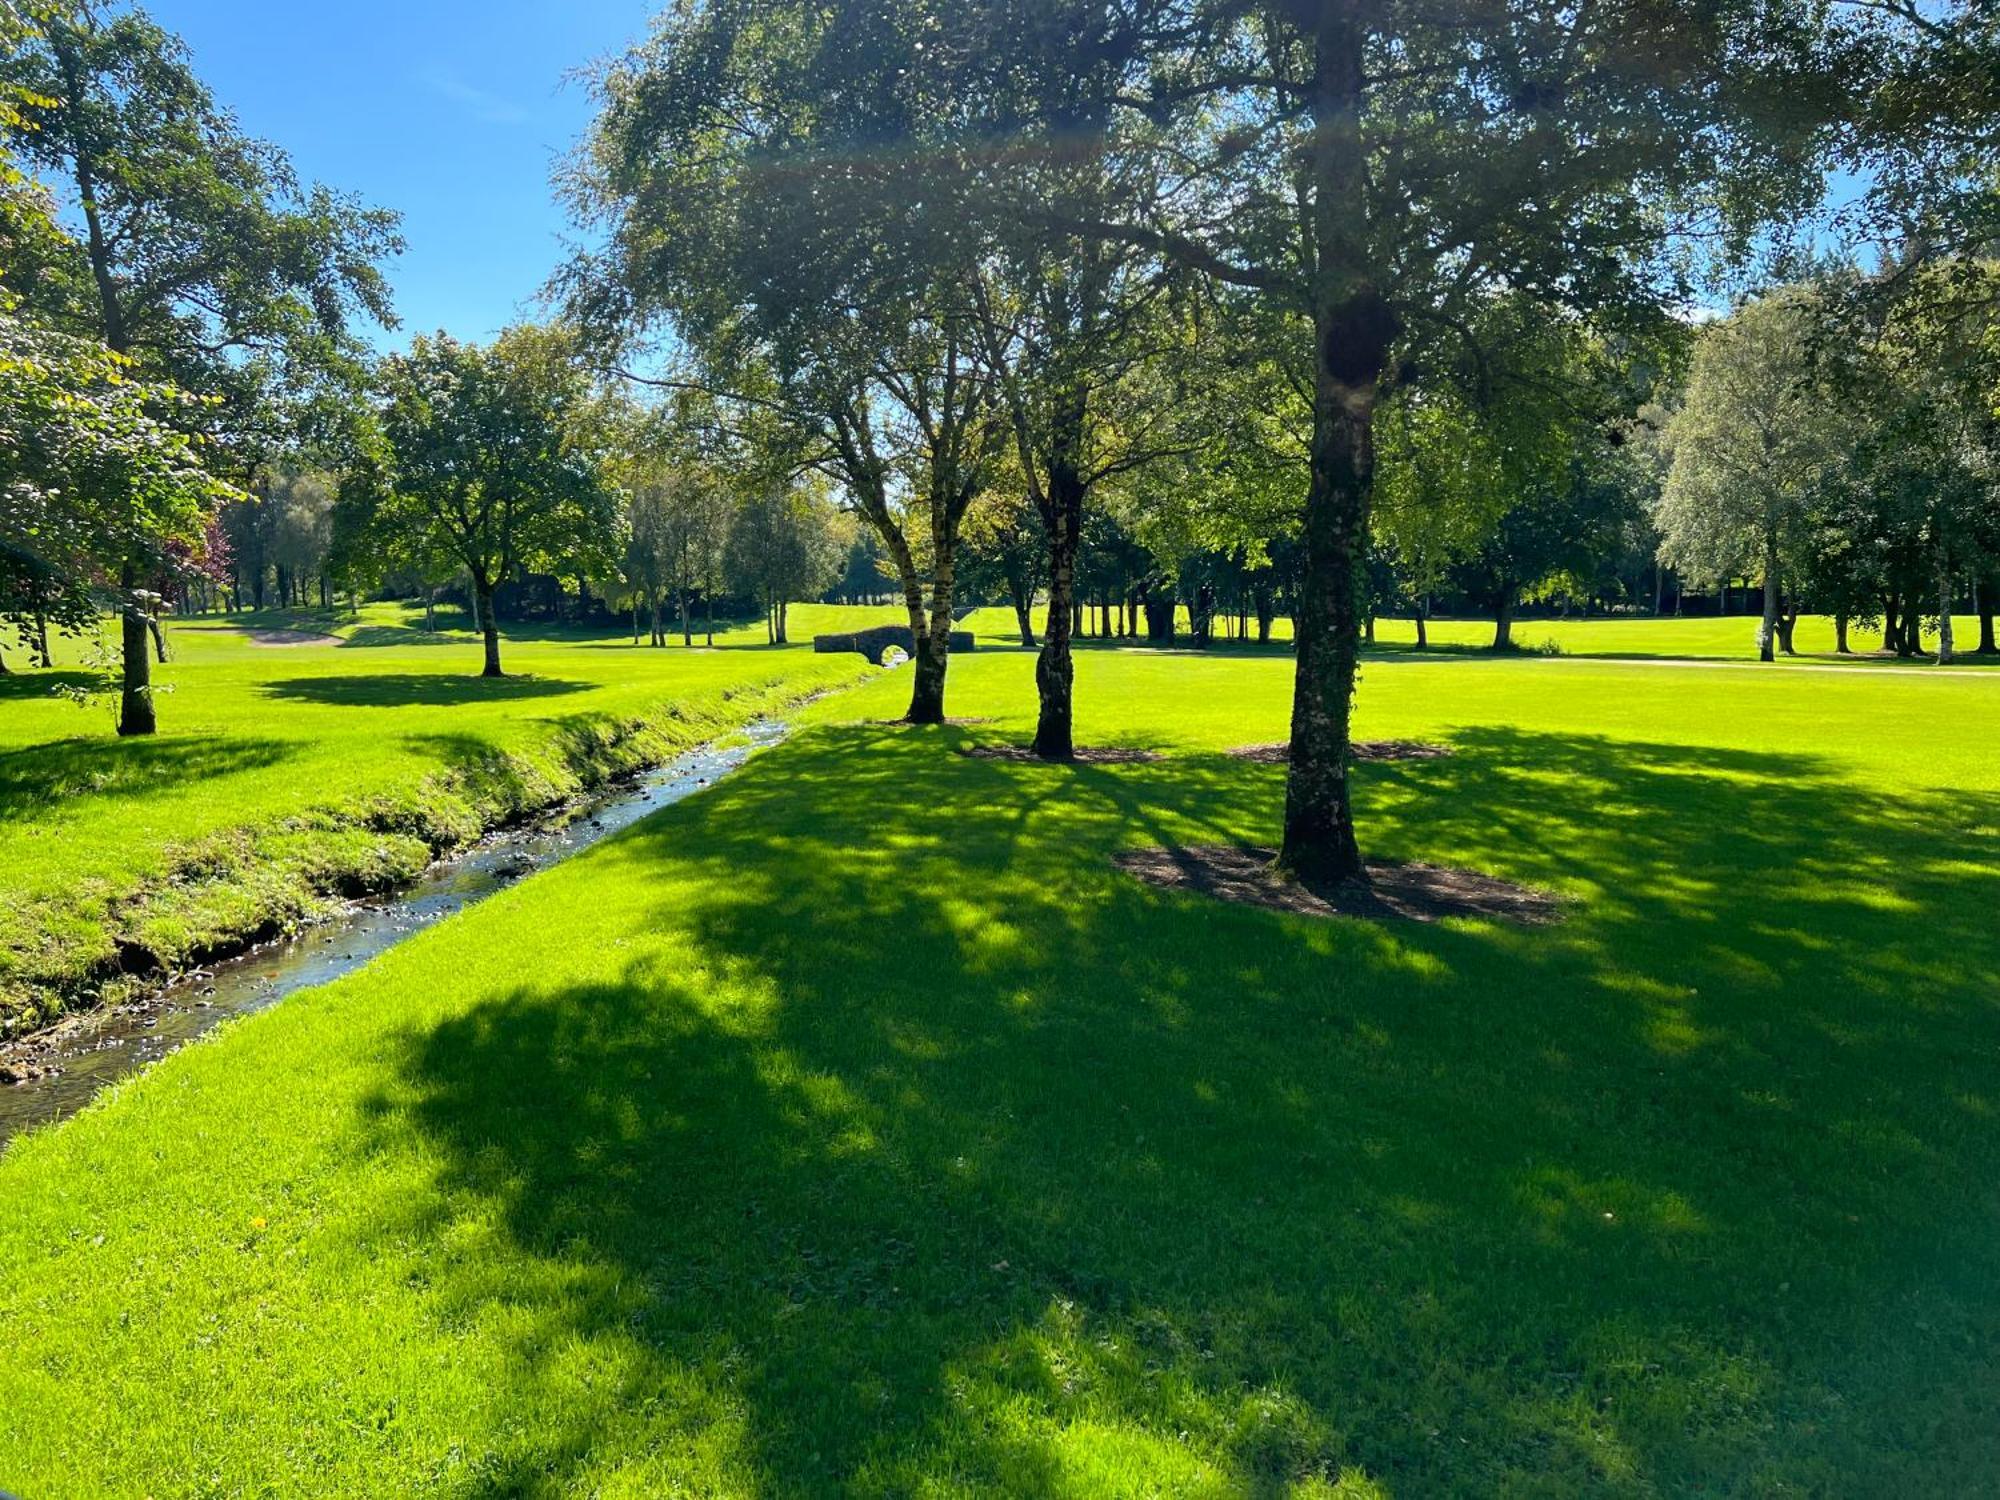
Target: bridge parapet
(874, 643)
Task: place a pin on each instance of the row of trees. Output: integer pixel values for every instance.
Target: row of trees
(1313, 306)
(487, 462)
(1382, 281)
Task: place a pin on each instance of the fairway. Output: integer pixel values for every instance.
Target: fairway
(856, 1126)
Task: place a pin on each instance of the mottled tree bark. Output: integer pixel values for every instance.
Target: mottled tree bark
(1767, 630)
(1055, 668)
(1840, 635)
(1503, 620)
(1946, 649)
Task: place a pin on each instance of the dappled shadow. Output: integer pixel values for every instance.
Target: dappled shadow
(404, 689)
(912, 1143)
(37, 778)
(42, 683)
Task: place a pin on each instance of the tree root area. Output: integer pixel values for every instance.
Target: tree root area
(1392, 891)
(1363, 750)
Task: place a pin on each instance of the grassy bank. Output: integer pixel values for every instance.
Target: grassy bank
(856, 1126)
(289, 773)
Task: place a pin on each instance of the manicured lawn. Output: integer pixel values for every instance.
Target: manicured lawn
(856, 1126)
(283, 770)
(1694, 638)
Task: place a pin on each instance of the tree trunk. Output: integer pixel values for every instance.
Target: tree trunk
(1788, 622)
(159, 636)
(1946, 652)
(489, 624)
(783, 605)
(1983, 607)
(1840, 635)
(1055, 668)
(1352, 337)
(708, 610)
(1767, 630)
(687, 622)
(1503, 620)
(43, 655)
(135, 710)
(1423, 629)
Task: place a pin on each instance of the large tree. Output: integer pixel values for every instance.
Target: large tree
(810, 285)
(1372, 168)
(1757, 437)
(491, 455)
(198, 255)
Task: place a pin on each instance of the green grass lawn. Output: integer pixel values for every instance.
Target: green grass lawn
(855, 1126)
(1694, 638)
(285, 772)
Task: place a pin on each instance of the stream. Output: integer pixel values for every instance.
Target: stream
(70, 1063)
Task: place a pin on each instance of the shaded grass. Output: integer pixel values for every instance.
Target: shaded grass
(857, 1126)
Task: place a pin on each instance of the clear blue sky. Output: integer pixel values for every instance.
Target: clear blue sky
(448, 111)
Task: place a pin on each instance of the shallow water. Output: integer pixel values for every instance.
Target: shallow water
(77, 1060)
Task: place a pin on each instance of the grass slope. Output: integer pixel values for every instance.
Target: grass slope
(286, 773)
(854, 1126)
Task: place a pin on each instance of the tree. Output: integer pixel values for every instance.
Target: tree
(96, 473)
(200, 258)
(678, 519)
(1004, 550)
(1756, 437)
(488, 455)
(1438, 497)
(784, 544)
(806, 286)
(1373, 169)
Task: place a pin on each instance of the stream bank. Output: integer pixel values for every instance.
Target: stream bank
(53, 1073)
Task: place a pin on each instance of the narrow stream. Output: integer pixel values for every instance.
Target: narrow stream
(70, 1064)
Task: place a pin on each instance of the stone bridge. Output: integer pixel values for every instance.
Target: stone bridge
(875, 643)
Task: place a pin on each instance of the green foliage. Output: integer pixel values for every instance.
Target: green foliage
(1756, 436)
(490, 457)
(198, 250)
(96, 470)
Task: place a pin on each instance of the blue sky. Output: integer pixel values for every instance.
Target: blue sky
(445, 110)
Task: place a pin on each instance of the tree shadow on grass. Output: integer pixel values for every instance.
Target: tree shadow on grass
(941, 1153)
(40, 683)
(37, 778)
(409, 689)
